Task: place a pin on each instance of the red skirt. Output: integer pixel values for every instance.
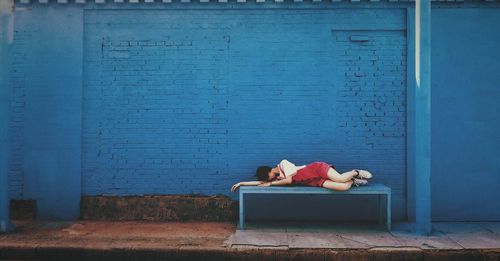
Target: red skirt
(314, 174)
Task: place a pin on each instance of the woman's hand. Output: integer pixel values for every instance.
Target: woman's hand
(243, 183)
(235, 187)
(265, 184)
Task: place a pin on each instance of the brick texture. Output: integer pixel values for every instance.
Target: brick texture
(22, 209)
(193, 102)
(372, 115)
(154, 119)
(159, 208)
(22, 41)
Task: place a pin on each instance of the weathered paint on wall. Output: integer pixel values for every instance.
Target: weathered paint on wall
(159, 208)
(46, 111)
(6, 37)
(191, 99)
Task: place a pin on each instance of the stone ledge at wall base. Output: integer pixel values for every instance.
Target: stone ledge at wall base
(151, 208)
(22, 209)
(159, 208)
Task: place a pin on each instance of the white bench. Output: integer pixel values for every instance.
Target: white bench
(381, 190)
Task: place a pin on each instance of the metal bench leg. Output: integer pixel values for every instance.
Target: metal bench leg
(389, 212)
(242, 212)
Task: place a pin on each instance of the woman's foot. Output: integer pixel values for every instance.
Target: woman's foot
(363, 174)
(359, 182)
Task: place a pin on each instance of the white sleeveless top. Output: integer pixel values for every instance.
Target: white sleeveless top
(288, 169)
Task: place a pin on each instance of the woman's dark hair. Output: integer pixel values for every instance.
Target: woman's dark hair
(262, 173)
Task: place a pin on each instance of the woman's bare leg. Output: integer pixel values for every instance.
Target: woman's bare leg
(339, 186)
(344, 177)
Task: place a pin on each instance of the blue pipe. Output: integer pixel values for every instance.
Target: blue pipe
(6, 38)
(423, 117)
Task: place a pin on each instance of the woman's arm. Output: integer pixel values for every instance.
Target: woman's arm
(245, 183)
(251, 183)
(282, 182)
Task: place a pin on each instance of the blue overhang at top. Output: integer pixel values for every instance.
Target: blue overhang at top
(206, 1)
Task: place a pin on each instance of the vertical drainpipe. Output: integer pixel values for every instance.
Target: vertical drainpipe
(6, 39)
(423, 117)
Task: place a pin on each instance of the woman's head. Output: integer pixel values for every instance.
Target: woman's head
(265, 173)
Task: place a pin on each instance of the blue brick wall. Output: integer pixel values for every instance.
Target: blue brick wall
(155, 103)
(192, 101)
(21, 43)
(372, 118)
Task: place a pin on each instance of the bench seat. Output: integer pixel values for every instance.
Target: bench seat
(372, 189)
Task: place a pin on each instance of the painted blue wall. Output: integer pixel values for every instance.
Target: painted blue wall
(466, 114)
(465, 166)
(193, 101)
(46, 112)
(6, 41)
(190, 99)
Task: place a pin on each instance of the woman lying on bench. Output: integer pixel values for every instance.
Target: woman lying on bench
(316, 174)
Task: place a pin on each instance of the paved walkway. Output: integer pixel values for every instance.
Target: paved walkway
(130, 240)
(120, 234)
(446, 236)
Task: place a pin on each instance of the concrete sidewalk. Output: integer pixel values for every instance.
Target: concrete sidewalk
(445, 236)
(136, 240)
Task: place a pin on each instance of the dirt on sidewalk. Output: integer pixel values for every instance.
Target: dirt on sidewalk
(118, 234)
